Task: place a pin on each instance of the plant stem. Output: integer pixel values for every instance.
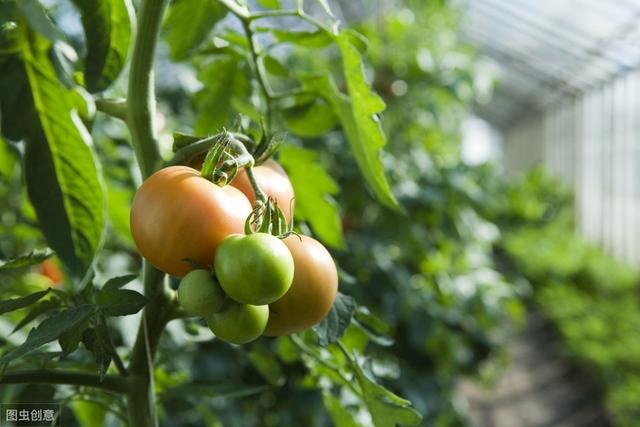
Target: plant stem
(141, 121)
(111, 383)
(113, 107)
(141, 96)
(187, 154)
(260, 72)
(254, 184)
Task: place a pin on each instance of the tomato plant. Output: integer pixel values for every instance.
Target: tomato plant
(95, 170)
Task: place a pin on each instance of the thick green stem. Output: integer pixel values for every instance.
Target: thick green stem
(141, 121)
(141, 96)
(111, 383)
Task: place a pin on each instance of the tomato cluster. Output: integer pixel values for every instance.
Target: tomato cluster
(245, 285)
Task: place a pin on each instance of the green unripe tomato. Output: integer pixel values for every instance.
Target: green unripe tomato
(239, 323)
(255, 269)
(199, 294)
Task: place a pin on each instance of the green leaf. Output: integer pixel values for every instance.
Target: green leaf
(312, 39)
(223, 79)
(313, 196)
(120, 302)
(270, 4)
(70, 339)
(9, 305)
(386, 408)
(358, 115)
(50, 329)
(189, 22)
(340, 416)
(31, 258)
(96, 340)
(333, 326)
(39, 20)
(107, 27)
(275, 67)
(61, 174)
(89, 413)
(310, 120)
(118, 282)
(375, 328)
(40, 309)
(267, 365)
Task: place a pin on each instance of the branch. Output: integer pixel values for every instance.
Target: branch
(113, 107)
(141, 96)
(42, 376)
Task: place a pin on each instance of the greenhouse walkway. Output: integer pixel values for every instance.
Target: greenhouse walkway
(537, 389)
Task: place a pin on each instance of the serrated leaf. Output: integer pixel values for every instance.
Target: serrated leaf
(49, 330)
(40, 309)
(269, 4)
(120, 302)
(333, 326)
(314, 201)
(61, 174)
(39, 20)
(376, 329)
(358, 115)
(70, 339)
(310, 120)
(386, 408)
(107, 27)
(223, 79)
(119, 281)
(340, 415)
(96, 340)
(18, 303)
(312, 39)
(34, 257)
(189, 22)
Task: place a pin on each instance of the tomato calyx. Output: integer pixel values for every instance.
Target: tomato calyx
(225, 157)
(267, 217)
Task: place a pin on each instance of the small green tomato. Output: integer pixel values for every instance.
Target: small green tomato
(199, 294)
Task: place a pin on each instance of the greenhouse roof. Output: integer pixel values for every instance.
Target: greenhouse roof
(549, 48)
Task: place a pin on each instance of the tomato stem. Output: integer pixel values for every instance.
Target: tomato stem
(256, 188)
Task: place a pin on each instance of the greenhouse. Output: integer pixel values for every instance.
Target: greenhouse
(319, 213)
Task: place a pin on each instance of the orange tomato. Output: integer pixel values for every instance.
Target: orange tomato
(273, 180)
(312, 293)
(178, 215)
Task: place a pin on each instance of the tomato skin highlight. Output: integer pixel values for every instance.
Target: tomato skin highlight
(199, 294)
(238, 323)
(177, 214)
(312, 293)
(254, 269)
(273, 181)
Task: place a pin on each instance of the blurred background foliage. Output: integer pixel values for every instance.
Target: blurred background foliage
(444, 282)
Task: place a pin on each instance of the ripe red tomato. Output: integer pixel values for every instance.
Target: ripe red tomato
(273, 180)
(312, 293)
(177, 215)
